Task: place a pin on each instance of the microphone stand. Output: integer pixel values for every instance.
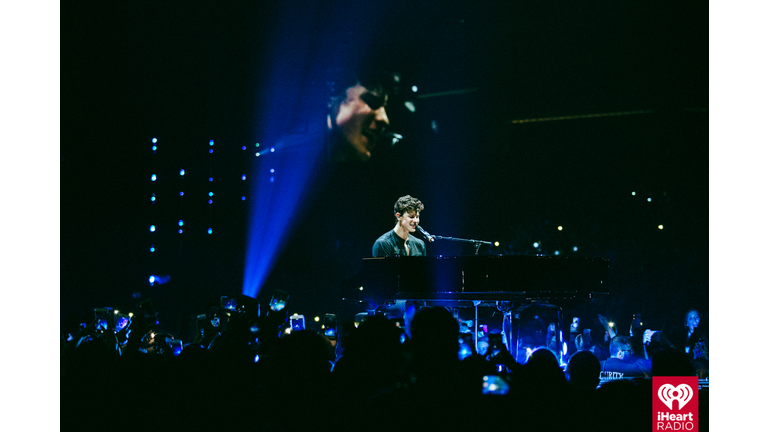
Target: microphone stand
(476, 243)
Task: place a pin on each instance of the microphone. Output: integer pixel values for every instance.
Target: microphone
(392, 138)
(426, 234)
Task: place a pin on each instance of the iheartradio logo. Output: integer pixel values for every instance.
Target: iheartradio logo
(669, 393)
(671, 416)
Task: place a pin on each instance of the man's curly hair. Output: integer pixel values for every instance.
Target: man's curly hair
(407, 204)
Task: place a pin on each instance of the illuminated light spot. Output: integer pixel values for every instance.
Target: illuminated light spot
(210, 230)
(633, 193)
(181, 193)
(649, 200)
(210, 201)
(151, 228)
(181, 222)
(242, 198)
(210, 179)
(153, 198)
(210, 151)
(496, 244)
(575, 249)
(210, 143)
(361, 288)
(414, 89)
(661, 227)
(560, 228)
(535, 244)
(410, 106)
(152, 248)
(181, 231)
(272, 179)
(210, 193)
(182, 172)
(243, 147)
(256, 359)
(317, 319)
(557, 252)
(153, 178)
(154, 140)
(154, 148)
(258, 145)
(272, 170)
(258, 154)
(243, 177)
(272, 149)
(610, 324)
(151, 279)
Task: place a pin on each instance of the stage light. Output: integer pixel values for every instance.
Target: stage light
(243, 177)
(182, 172)
(560, 228)
(256, 359)
(258, 154)
(210, 201)
(633, 193)
(410, 106)
(661, 227)
(649, 199)
(154, 148)
(210, 179)
(152, 248)
(181, 193)
(153, 198)
(153, 178)
(271, 179)
(361, 288)
(535, 244)
(242, 198)
(151, 279)
(272, 170)
(243, 147)
(210, 151)
(317, 319)
(258, 145)
(181, 231)
(557, 252)
(210, 143)
(151, 228)
(414, 89)
(272, 149)
(496, 244)
(210, 231)
(181, 222)
(575, 249)
(154, 140)
(210, 193)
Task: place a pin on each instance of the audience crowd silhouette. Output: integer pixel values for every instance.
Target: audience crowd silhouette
(252, 371)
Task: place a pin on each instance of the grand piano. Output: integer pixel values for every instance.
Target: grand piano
(509, 282)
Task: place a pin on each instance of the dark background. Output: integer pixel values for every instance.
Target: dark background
(188, 74)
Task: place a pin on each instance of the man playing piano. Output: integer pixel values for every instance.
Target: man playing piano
(398, 241)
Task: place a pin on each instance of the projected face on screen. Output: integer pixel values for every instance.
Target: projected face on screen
(361, 119)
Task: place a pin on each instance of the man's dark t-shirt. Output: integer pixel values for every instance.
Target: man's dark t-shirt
(614, 368)
(390, 244)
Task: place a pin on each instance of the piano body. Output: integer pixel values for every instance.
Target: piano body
(509, 282)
